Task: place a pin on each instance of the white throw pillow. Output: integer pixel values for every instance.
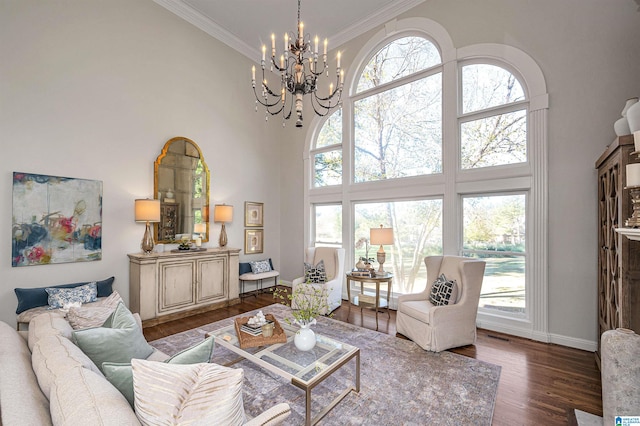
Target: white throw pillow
(93, 316)
(195, 394)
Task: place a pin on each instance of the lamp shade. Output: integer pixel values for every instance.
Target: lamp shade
(381, 236)
(222, 213)
(147, 210)
(199, 228)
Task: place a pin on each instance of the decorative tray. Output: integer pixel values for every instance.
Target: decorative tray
(247, 340)
(191, 250)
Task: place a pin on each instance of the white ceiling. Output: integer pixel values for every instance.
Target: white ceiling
(245, 25)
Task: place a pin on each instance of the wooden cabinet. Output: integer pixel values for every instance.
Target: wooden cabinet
(167, 286)
(618, 257)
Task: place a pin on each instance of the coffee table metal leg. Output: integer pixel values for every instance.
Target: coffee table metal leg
(309, 421)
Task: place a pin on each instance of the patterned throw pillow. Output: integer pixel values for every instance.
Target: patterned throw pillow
(93, 316)
(58, 297)
(443, 291)
(121, 375)
(198, 394)
(260, 266)
(316, 275)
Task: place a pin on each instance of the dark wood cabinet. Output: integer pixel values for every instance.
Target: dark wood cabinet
(618, 257)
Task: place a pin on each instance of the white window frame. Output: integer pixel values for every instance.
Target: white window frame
(530, 177)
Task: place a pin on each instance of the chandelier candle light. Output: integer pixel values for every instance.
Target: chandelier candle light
(381, 236)
(299, 72)
(222, 213)
(147, 211)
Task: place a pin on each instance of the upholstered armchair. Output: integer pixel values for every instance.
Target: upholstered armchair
(437, 328)
(333, 259)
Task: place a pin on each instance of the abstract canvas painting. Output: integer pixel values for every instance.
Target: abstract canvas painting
(55, 220)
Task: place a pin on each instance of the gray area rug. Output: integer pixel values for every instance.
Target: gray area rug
(400, 383)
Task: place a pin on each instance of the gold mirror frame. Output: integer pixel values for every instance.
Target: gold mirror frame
(173, 164)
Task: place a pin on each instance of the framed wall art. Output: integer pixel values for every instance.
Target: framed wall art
(55, 220)
(253, 214)
(253, 241)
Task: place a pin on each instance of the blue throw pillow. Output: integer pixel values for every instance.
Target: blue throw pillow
(33, 297)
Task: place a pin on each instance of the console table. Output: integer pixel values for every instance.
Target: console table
(166, 286)
(370, 301)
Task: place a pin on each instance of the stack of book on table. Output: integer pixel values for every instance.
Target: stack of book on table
(363, 273)
(254, 330)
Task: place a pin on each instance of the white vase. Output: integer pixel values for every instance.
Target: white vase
(627, 105)
(305, 338)
(633, 117)
(621, 126)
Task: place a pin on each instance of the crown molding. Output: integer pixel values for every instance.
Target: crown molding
(191, 15)
(202, 22)
(374, 20)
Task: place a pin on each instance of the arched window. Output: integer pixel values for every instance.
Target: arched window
(437, 144)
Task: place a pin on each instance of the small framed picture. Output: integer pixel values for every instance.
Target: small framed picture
(253, 214)
(253, 241)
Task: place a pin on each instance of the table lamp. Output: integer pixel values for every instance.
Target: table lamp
(147, 211)
(222, 213)
(381, 236)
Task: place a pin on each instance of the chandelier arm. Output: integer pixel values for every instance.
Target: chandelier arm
(321, 109)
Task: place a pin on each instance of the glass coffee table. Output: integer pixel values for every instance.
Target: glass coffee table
(306, 370)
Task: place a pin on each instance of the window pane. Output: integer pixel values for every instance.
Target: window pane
(494, 230)
(493, 141)
(328, 168)
(417, 229)
(485, 86)
(328, 225)
(397, 59)
(398, 132)
(331, 132)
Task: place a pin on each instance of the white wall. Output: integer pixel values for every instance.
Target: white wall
(589, 52)
(93, 89)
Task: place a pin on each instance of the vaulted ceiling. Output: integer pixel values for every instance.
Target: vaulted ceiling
(245, 25)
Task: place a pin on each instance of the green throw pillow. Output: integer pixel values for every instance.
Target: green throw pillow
(119, 340)
(121, 375)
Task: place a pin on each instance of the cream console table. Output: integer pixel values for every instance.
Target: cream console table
(166, 286)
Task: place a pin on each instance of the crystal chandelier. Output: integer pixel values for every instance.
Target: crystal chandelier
(299, 73)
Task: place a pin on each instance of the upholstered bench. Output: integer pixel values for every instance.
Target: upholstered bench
(257, 271)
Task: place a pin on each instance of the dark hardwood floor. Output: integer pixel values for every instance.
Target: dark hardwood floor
(540, 384)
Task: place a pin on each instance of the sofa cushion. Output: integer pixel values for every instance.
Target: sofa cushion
(61, 297)
(53, 356)
(33, 297)
(48, 323)
(194, 394)
(418, 309)
(443, 291)
(21, 399)
(83, 397)
(119, 340)
(121, 375)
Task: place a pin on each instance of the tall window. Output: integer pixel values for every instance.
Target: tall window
(398, 112)
(328, 225)
(440, 151)
(417, 232)
(494, 231)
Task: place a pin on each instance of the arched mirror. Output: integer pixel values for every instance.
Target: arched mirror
(181, 183)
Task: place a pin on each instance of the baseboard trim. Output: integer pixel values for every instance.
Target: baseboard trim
(572, 342)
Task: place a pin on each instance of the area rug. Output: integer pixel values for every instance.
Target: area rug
(400, 383)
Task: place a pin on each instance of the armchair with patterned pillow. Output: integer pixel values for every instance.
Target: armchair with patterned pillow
(324, 268)
(443, 316)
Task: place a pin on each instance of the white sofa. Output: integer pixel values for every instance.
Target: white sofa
(45, 379)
